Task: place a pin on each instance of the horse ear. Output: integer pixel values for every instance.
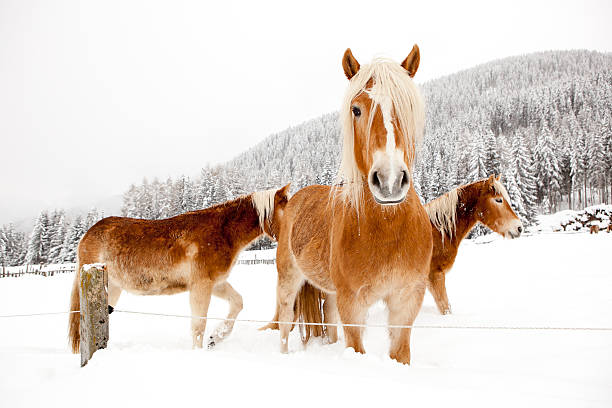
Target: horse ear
(499, 177)
(283, 193)
(349, 64)
(411, 63)
(491, 181)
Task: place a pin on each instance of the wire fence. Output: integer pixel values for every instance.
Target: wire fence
(52, 270)
(378, 326)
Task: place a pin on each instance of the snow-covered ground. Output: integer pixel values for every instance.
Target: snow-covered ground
(541, 280)
(554, 222)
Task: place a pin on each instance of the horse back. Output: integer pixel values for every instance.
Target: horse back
(157, 256)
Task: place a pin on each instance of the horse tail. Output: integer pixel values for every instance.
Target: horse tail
(309, 309)
(74, 319)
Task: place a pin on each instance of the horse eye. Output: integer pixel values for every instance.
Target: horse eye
(499, 200)
(356, 111)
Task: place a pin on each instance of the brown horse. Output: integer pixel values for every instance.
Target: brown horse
(594, 229)
(452, 217)
(370, 238)
(454, 214)
(609, 229)
(190, 252)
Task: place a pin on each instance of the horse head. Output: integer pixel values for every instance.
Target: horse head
(495, 211)
(383, 119)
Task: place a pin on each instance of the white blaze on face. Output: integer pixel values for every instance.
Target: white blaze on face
(393, 156)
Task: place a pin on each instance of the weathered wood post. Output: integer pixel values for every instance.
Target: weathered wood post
(94, 310)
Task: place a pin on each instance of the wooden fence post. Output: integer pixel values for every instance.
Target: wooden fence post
(94, 310)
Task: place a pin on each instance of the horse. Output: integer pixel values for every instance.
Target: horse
(609, 229)
(594, 229)
(191, 252)
(452, 217)
(367, 238)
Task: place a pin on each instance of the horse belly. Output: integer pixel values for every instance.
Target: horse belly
(149, 281)
(317, 273)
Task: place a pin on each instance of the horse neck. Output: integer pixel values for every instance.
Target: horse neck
(372, 213)
(240, 220)
(466, 212)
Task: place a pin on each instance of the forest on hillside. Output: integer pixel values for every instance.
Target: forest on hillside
(543, 121)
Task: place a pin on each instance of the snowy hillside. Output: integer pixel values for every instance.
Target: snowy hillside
(544, 120)
(543, 280)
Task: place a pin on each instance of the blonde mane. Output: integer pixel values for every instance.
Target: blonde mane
(263, 201)
(392, 83)
(500, 189)
(442, 212)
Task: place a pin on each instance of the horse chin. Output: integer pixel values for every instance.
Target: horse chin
(389, 203)
(511, 235)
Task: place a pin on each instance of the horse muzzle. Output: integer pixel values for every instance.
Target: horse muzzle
(515, 231)
(389, 186)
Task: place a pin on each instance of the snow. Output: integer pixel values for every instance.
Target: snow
(97, 265)
(553, 222)
(556, 279)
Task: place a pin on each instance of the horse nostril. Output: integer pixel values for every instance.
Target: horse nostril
(520, 229)
(404, 179)
(375, 180)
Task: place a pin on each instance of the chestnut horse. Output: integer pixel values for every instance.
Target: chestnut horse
(594, 229)
(370, 238)
(452, 217)
(191, 252)
(454, 214)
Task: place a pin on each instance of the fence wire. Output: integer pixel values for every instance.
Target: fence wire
(379, 326)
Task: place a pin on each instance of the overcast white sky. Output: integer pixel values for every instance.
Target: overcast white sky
(96, 95)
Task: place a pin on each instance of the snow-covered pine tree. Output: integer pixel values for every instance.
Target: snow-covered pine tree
(93, 216)
(128, 209)
(477, 162)
(57, 235)
(39, 243)
(520, 165)
(14, 246)
(491, 152)
(73, 236)
(547, 166)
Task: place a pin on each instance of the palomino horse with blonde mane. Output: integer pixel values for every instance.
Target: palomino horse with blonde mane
(452, 217)
(370, 238)
(454, 214)
(190, 252)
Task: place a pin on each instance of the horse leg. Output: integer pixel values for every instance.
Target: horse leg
(437, 288)
(330, 311)
(114, 291)
(199, 298)
(352, 310)
(289, 284)
(225, 291)
(403, 309)
(272, 325)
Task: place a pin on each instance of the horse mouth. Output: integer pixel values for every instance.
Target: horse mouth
(389, 202)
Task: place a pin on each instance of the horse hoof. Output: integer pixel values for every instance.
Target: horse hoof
(211, 343)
